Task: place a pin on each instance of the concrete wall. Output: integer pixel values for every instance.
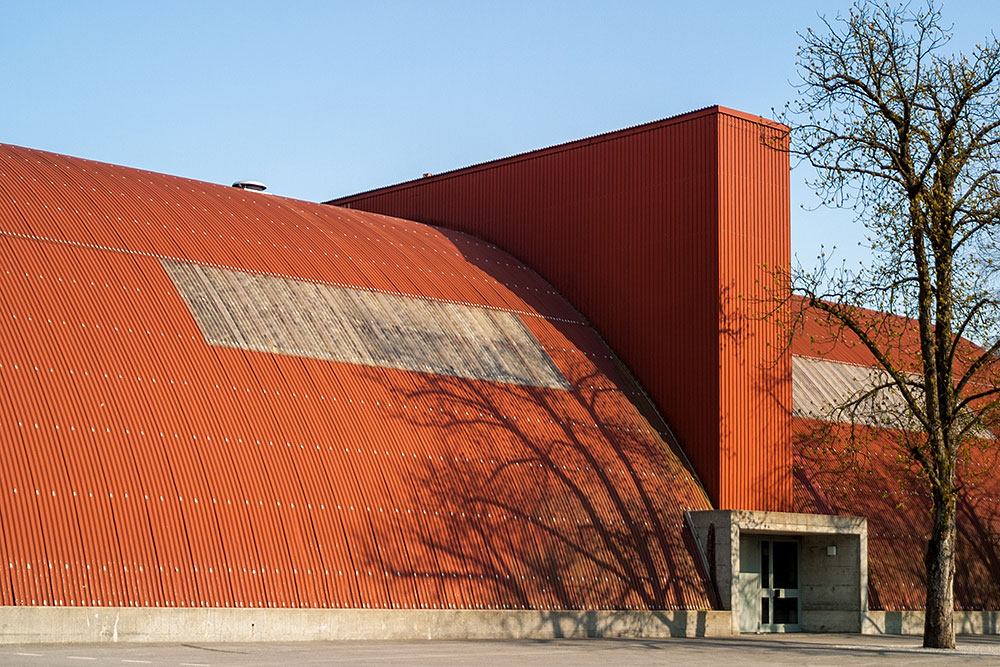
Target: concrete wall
(716, 535)
(834, 590)
(830, 588)
(23, 625)
(20, 625)
(912, 622)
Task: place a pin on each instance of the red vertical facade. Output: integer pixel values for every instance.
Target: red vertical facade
(659, 235)
(754, 241)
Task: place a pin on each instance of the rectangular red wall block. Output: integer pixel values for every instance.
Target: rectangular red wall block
(663, 235)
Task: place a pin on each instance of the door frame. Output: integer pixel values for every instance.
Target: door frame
(770, 593)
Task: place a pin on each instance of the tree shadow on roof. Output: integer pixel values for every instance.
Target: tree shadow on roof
(547, 499)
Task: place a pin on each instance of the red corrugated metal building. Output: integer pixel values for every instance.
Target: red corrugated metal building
(219, 398)
(180, 430)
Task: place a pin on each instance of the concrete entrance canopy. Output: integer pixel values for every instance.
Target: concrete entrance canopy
(832, 566)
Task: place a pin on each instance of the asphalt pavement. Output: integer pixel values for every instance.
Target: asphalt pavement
(797, 649)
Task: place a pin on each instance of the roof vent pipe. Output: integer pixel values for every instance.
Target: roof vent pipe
(256, 186)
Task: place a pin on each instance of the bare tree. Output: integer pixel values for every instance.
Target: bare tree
(908, 135)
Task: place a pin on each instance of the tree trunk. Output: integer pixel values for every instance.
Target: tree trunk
(939, 628)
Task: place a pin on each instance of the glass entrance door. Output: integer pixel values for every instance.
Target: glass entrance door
(779, 586)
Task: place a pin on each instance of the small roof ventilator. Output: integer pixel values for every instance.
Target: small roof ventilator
(256, 186)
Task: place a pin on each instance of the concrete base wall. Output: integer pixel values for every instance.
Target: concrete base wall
(912, 622)
(19, 625)
(25, 625)
(830, 621)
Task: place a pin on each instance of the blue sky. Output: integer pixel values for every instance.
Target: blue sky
(320, 99)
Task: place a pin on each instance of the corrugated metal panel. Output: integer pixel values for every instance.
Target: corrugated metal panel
(863, 474)
(655, 233)
(141, 466)
(832, 365)
(281, 316)
(754, 375)
(864, 470)
(838, 391)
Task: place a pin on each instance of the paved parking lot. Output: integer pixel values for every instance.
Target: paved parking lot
(801, 649)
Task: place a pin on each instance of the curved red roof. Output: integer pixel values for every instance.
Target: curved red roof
(864, 470)
(175, 432)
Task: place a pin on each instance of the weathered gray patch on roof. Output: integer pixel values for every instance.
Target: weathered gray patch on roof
(281, 316)
(836, 391)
